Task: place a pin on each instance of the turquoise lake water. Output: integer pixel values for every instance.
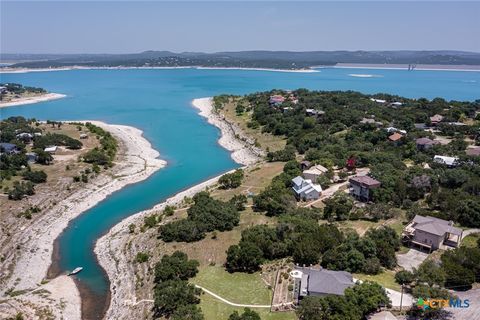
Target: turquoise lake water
(159, 103)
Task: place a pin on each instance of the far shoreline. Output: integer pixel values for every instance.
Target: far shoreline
(418, 67)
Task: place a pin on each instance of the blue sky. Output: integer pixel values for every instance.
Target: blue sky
(127, 26)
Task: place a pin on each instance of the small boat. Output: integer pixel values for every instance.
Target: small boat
(75, 271)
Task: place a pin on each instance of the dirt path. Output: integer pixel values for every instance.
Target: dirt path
(232, 303)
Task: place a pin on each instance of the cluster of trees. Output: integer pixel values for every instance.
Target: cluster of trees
(19, 89)
(205, 215)
(21, 189)
(247, 314)
(231, 180)
(298, 235)
(56, 139)
(358, 302)
(104, 155)
(367, 254)
(174, 297)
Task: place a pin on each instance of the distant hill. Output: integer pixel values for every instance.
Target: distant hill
(243, 59)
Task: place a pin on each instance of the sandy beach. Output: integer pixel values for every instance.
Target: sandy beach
(136, 161)
(30, 100)
(110, 248)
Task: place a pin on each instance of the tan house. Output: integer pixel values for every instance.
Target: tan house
(431, 233)
(313, 173)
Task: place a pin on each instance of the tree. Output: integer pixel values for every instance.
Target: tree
(247, 314)
(187, 312)
(431, 273)
(175, 266)
(469, 213)
(35, 176)
(404, 277)
(338, 207)
(246, 257)
(170, 295)
(231, 180)
(305, 252)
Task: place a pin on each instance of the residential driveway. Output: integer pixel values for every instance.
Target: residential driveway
(473, 311)
(412, 259)
(395, 297)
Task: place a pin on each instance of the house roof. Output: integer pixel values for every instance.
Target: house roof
(366, 181)
(473, 151)
(395, 137)
(317, 170)
(436, 118)
(305, 186)
(8, 146)
(328, 281)
(420, 125)
(449, 161)
(426, 141)
(435, 226)
(50, 149)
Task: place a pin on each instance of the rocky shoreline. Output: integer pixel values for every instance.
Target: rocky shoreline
(110, 249)
(136, 161)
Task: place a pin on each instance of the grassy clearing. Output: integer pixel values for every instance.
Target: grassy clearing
(236, 287)
(470, 241)
(265, 140)
(214, 309)
(386, 279)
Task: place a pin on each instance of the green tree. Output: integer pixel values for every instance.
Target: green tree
(247, 314)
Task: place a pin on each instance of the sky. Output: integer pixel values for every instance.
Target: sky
(128, 26)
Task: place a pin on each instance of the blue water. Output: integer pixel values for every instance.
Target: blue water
(158, 102)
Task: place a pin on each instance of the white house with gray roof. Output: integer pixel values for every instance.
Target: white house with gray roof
(321, 282)
(432, 233)
(305, 189)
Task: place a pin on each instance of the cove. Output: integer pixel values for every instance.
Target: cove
(158, 102)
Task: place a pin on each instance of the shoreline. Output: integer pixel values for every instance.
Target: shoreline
(31, 100)
(136, 161)
(109, 248)
(8, 70)
(419, 67)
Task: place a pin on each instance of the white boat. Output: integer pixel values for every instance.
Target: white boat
(75, 271)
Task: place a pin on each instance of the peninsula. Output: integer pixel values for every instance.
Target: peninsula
(13, 94)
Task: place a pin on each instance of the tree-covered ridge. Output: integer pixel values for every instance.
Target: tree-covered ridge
(19, 89)
(247, 59)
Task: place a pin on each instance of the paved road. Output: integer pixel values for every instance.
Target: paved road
(473, 311)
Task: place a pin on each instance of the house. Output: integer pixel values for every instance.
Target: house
(420, 126)
(24, 136)
(314, 172)
(378, 100)
(276, 100)
(425, 143)
(3, 89)
(360, 187)
(395, 138)
(371, 121)
(393, 129)
(9, 148)
(436, 119)
(31, 157)
(474, 152)
(51, 149)
(83, 136)
(314, 112)
(320, 282)
(431, 233)
(448, 161)
(396, 104)
(305, 189)
(305, 165)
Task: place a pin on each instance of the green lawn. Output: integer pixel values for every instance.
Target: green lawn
(470, 241)
(214, 309)
(386, 279)
(236, 287)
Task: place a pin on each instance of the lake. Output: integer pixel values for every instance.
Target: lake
(159, 103)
